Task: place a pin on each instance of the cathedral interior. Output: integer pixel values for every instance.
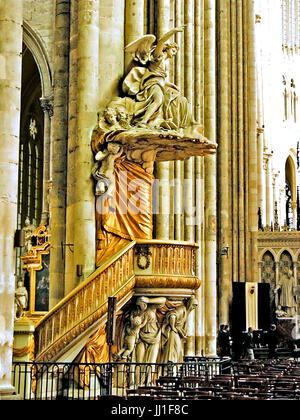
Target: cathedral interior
(149, 189)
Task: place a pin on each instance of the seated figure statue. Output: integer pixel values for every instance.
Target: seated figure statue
(158, 102)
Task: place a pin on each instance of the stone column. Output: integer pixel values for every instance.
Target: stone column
(163, 168)
(252, 139)
(260, 169)
(199, 238)
(210, 179)
(178, 165)
(11, 16)
(47, 107)
(234, 252)
(277, 272)
(269, 192)
(199, 177)
(260, 127)
(247, 249)
(294, 209)
(134, 24)
(295, 263)
(223, 160)
(189, 198)
(58, 192)
(81, 204)
(68, 251)
(240, 141)
(189, 172)
(260, 271)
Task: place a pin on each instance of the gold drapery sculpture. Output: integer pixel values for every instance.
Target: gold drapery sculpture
(24, 351)
(127, 215)
(95, 351)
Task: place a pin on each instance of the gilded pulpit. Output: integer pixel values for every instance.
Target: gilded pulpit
(151, 122)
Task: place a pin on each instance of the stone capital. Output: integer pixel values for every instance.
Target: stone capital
(47, 105)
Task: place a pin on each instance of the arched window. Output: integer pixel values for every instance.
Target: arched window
(268, 271)
(286, 261)
(290, 25)
(30, 195)
(290, 192)
(31, 144)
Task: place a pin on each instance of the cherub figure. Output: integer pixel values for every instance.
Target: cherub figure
(103, 171)
(108, 121)
(123, 118)
(158, 102)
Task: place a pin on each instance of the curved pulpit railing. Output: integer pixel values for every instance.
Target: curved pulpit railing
(166, 267)
(84, 305)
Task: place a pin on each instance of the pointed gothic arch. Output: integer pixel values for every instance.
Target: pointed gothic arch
(32, 40)
(291, 191)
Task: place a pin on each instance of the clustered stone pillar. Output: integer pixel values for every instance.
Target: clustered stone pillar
(81, 200)
(178, 165)
(189, 222)
(260, 127)
(224, 116)
(252, 143)
(268, 184)
(134, 27)
(59, 151)
(210, 179)
(234, 251)
(47, 107)
(176, 171)
(199, 175)
(11, 16)
(240, 141)
(189, 173)
(67, 251)
(237, 181)
(163, 168)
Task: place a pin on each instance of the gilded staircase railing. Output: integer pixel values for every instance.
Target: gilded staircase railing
(85, 304)
(162, 268)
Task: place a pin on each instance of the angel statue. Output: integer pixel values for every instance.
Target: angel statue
(158, 102)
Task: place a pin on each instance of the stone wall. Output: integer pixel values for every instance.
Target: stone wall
(40, 15)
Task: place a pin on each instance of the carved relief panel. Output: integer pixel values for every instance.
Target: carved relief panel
(268, 272)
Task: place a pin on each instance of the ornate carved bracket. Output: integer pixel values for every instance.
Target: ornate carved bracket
(144, 254)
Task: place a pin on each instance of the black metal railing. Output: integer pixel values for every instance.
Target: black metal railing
(89, 381)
